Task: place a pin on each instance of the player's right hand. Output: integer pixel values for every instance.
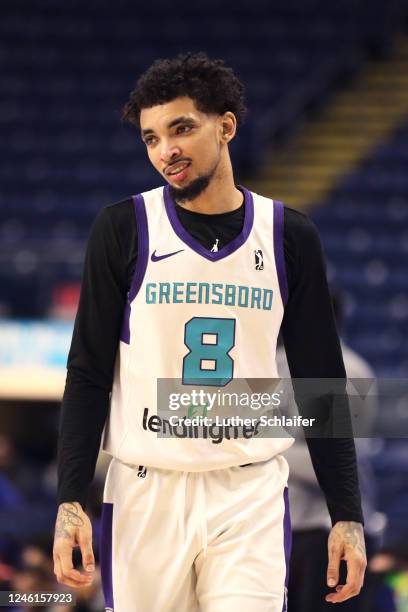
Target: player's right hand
(73, 529)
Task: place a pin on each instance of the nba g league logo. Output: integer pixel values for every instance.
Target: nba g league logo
(259, 265)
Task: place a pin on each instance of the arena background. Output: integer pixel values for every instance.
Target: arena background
(327, 133)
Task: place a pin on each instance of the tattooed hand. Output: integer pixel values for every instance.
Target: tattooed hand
(346, 541)
(73, 529)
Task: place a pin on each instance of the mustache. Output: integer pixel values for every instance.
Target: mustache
(177, 161)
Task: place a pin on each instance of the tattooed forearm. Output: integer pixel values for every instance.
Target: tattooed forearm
(68, 516)
(350, 534)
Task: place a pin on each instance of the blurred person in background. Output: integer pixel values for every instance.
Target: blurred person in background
(32, 579)
(38, 552)
(309, 514)
(389, 572)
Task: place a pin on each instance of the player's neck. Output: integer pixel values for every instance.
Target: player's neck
(220, 196)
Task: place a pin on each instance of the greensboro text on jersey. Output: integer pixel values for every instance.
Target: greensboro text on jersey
(209, 293)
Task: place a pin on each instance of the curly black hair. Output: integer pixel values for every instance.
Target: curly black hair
(210, 83)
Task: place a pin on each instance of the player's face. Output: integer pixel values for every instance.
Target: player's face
(183, 144)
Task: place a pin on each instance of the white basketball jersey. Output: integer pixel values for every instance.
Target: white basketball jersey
(197, 316)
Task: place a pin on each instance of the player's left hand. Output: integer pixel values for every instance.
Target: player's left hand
(346, 541)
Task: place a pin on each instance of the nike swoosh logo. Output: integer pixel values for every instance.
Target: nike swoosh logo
(155, 257)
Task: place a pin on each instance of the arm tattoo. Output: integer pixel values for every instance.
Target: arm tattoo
(68, 516)
(352, 536)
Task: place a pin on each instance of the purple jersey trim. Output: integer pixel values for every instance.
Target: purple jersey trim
(105, 553)
(229, 248)
(287, 540)
(279, 250)
(141, 263)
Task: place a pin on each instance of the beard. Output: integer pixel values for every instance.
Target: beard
(193, 189)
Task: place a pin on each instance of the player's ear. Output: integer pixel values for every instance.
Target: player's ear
(228, 126)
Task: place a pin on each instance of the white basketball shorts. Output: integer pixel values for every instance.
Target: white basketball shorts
(213, 541)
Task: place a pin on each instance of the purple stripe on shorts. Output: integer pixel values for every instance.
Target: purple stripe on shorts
(141, 263)
(105, 553)
(287, 540)
(278, 246)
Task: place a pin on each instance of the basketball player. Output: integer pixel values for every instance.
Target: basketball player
(193, 281)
